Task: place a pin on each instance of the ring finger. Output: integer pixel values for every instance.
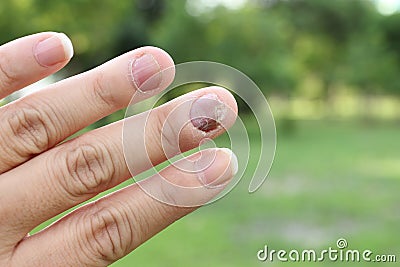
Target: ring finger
(81, 168)
(31, 58)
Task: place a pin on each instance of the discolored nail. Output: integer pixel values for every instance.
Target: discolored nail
(146, 73)
(53, 50)
(207, 112)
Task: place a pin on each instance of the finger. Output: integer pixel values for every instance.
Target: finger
(31, 58)
(39, 121)
(81, 168)
(108, 229)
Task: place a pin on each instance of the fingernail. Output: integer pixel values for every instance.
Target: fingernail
(214, 169)
(146, 73)
(207, 112)
(53, 50)
(234, 161)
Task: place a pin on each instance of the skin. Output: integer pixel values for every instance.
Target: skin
(41, 176)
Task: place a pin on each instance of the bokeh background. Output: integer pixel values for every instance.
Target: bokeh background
(331, 73)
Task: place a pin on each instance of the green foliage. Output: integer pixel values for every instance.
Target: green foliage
(317, 192)
(277, 43)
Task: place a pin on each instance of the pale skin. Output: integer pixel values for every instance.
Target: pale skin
(41, 176)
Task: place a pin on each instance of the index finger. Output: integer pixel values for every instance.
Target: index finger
(31, 58)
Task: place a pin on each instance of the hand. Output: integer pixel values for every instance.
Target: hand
(40, 177)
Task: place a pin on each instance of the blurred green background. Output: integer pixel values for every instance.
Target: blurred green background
(331, 72)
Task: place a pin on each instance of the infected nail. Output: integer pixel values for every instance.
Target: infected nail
(207, 112)
(53, 50)
(146, 73)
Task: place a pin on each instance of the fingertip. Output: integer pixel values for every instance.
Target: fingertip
(162, 57)
(165, 61)
(167, 66)
(233, 164)
(54, 50)
(213, 104)
(152, 69)
(220, 169)
(67, 45)
(195, 180)
(225, 96)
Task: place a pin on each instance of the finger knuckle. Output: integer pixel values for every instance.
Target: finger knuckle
(87, 169)
(102, 92)
(108, 233)
(32, 129)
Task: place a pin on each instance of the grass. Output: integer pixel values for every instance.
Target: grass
(329, 180)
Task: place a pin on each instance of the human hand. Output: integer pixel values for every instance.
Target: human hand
(40, 177)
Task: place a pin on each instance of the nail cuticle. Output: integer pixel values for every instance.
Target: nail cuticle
(146, 73)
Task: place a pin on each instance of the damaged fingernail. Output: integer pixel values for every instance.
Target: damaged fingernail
(146, 73)
(207, 112)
